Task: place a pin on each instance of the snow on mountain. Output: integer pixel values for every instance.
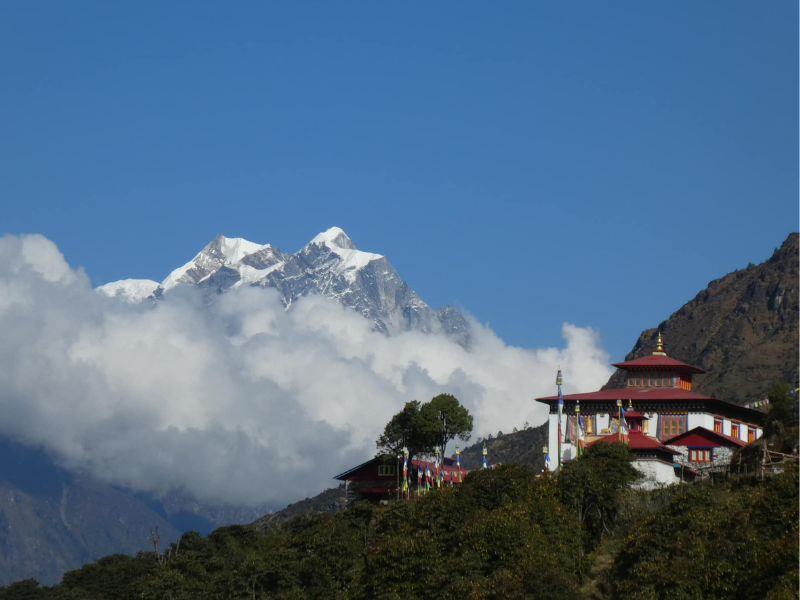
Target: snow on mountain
(220, 252)
(329, 265)
(130, 290)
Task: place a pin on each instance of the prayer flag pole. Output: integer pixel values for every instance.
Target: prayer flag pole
(560, 411)
(405, 472)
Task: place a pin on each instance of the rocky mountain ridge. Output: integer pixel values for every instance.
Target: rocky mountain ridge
(330, 265)
(742, 329)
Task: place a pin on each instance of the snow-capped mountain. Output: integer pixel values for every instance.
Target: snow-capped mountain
(130, 290)
(329, 265)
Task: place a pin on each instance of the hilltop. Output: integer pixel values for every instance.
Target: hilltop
(742, 329)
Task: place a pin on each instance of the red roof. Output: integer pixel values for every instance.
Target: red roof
(636, 441)
(700, 436)
(656, 360)
(632, 414)
(652, 393)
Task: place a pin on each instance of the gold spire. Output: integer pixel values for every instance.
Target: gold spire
(659, 351)
(630, 404)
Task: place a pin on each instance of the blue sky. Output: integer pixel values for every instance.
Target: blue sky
(597, 163)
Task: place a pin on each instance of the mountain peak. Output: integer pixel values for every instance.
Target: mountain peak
(231, 249)
(335, 236)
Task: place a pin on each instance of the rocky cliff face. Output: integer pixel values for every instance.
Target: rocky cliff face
(742, 329)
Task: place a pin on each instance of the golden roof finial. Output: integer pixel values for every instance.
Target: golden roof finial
(630, 404)
(659, 351)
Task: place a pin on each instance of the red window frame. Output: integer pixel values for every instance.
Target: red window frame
(735, 432)
(717, 425)
(751, 434)
(701, 455)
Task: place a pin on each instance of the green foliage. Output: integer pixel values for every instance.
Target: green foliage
(592, 485)
(422, 427)
(404, 430)
(709, 543)
(26, 589)
(504, 533)
(444, 419)
(781, 426)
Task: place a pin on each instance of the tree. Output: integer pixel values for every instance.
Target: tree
(780, 426)
(591, 486)
(444, 419)
(403, 431)
(422, 427)
(780, 407)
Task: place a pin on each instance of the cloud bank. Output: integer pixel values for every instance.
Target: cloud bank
(238, 401)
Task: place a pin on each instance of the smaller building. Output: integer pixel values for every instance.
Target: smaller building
(381, 478)
(704, 449)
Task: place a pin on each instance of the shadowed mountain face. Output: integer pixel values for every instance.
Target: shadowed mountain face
(742, 329)
(53, 520)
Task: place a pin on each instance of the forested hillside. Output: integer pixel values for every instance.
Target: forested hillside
(519, 447)
(503, 534)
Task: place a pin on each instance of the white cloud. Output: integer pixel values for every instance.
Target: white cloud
(239, 401)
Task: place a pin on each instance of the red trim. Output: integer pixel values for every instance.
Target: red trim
(633, 394)
(647, 362)
(700, 436)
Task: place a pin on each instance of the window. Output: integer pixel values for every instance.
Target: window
(735, 430)
(671, 426)
(717, 425)
(698, 455)
(666, 381)
(751, 434)
(386, 470)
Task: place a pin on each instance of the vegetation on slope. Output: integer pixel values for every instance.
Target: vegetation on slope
(523, 447)
(504, 533)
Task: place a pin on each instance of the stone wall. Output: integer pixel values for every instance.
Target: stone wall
(721, 457)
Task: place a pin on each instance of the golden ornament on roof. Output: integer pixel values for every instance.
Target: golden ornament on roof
(659, 351)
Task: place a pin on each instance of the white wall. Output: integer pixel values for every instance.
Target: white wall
(602, 423)
(552, 442)
(652, 425)
(700, 420)
(726, 426)
(656, 474)
(568, 451)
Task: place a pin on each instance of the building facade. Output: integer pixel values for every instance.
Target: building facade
(381, 478)
(659, 389)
